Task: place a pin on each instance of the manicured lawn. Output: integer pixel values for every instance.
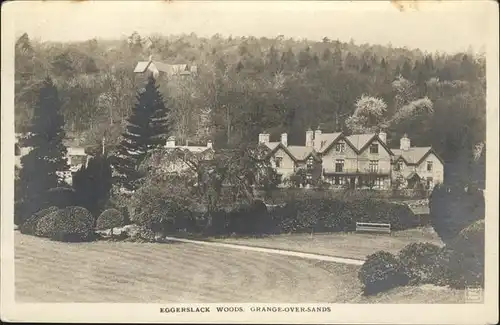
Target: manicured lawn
(49, 271)
(349, 245)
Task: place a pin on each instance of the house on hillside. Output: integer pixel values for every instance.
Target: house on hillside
(287, 160)
(75, 155)
(413, 166)
(356, 161)
(169, 162)
(158, 68)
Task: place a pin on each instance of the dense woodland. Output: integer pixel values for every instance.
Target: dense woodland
(246, 85)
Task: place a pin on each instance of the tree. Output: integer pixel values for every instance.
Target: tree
(368, 115)
(92, 184)
(47, 156)
(148, 128)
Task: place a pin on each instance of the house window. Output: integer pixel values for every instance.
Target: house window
(337, 180)
(429, 166)
(374, 148)
(310, 163)
(340, 147)
(339, 165)
(398, 166)
(429, 182)
(373, 166)
(379, 182)
(278, 161)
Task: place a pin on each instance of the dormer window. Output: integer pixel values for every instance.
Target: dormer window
(398, 166)
(340, 147)
(278, 161)
(374, 148)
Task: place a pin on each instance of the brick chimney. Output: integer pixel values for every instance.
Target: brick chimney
(404, 143)
(264, 138)
(309, 138)
(317, 139)
(284, 139)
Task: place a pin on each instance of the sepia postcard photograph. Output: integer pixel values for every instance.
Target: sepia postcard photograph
(311, 162)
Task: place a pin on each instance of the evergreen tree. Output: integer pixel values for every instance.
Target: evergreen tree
(47, 156)
(406, 70)
(273, 60)
(92, 184)
(327, 55)
(148, 127)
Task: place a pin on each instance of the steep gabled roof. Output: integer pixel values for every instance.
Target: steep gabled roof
(359, 141)
(414, 155)
(302, 153)
(297, 153)
(327, 140)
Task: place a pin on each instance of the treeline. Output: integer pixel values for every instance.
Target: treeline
(246, 85)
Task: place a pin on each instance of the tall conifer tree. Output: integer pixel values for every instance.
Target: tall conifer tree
(148, 128)
(47, 156)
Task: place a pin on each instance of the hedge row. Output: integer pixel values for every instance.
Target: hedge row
(332, 215)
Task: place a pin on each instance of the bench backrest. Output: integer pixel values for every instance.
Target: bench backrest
(373, 227)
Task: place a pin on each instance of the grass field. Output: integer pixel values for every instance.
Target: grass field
(348, 245)
(49, 271)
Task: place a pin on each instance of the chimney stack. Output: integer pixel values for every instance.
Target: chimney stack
(309, 138)
(264, 138)
(317, 139)
(209, 144)
(383, 136)
(284, 139)
(170, 142)
(404, 143)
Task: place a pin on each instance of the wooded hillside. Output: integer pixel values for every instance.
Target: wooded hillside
(246, 85)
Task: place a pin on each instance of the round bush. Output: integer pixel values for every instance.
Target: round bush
(29, 226)
(74, 224)
(380, 272)
(423, 263)
(46, 226)
(109, 219)
(69, 224)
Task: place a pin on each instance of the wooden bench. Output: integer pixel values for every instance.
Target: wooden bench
(373, 227)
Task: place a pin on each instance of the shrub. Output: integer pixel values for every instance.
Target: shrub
(110, 219)
(74, 224)
(29, 226)
(61, 197)
(372, 210)
(69, 224)
(454, 208)
(92, 184)
(143, 235)
(424, 263)
(380, 272)
(467, 256)
(46, 226)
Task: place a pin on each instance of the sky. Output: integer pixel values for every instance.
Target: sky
(445, 26)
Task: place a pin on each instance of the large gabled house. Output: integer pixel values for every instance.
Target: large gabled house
(356, 161)
(157, 67)
(413, 166)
